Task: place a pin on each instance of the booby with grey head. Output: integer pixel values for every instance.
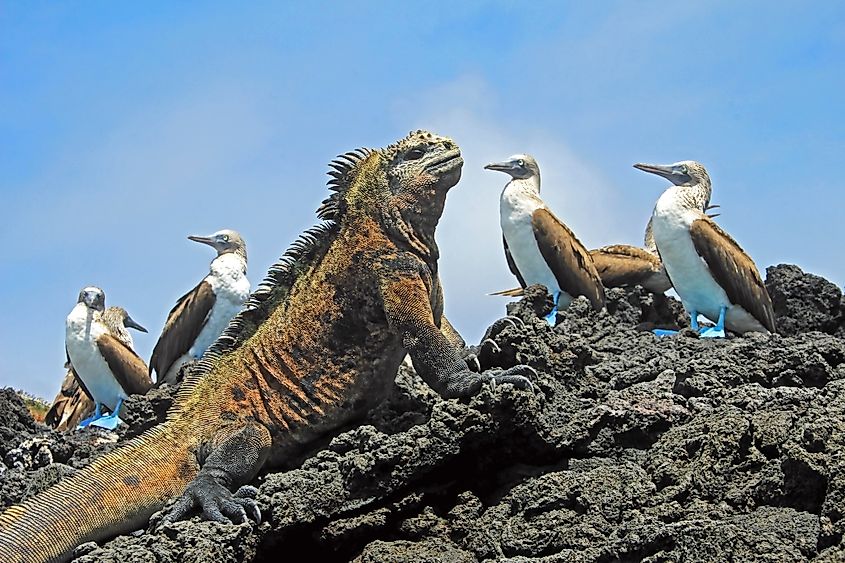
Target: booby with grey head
(201, 315)
(72, 404)
(624, 265)
(711, 273)
(108, 370)
(539, 248)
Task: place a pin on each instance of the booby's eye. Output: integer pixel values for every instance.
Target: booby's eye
(225, 238)
(520, 162)
(684, 169)
(414, 154)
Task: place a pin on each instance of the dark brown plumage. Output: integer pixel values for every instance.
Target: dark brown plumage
(623, 265)
(567, 258)
(733, 270)
(183, 325)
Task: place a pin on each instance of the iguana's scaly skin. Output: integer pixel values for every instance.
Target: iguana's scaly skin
(319, 343)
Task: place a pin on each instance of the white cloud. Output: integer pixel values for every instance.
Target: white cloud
(472, 261)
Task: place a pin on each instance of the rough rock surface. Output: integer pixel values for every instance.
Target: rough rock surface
(633, 448)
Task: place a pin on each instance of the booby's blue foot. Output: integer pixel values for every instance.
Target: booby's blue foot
(97, 414)
(664, 332)
(109, 422)
(551, 318)
(717, 331)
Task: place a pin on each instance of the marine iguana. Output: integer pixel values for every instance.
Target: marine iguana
(319, 343)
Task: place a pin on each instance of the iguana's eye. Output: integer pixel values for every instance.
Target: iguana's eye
(414, 154)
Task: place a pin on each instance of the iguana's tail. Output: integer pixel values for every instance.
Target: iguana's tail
(116, 493)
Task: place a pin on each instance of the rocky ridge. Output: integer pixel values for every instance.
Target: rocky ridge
(632, 448)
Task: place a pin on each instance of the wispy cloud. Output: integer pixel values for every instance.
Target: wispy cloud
(472, 260)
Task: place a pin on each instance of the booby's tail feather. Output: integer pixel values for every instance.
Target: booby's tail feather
(515, 292)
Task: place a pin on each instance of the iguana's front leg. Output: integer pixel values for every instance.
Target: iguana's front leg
(468, 353)
(407, 306)
(235, 458)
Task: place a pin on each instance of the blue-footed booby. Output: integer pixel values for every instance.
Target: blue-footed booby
(711, 273)
(624, 265)
(539, 248)
(108, 370)
(72, 404)
(201, 315)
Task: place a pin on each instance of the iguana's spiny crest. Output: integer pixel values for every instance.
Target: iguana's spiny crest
(406, 182)
(416, 171)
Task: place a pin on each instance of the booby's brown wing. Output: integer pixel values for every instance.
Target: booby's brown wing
(129, 370)
(76, 377)
(71, 404)
(567, 258)
(622, 265)
(183, 325)
(69, 385)
(733, 270)
(511, 264)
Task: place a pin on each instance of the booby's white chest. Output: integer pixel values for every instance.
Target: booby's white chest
(689, 273)
(517, 205)
(82, 328)
(231, 289)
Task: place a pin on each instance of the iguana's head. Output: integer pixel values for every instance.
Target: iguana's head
(404, 185)
(422, 165)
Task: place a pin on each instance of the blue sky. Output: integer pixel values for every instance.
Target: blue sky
(125, 127)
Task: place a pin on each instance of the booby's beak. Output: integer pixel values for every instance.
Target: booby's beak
(675, 173)
(667, 171)
(210, 241)
(506, 166)
(128, 322)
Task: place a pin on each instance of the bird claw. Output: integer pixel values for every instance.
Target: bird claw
(217, 503)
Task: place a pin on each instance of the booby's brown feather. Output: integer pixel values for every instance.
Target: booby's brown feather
(184, 323)
(733, 270)
(567, 258)
(128, 369)
(622, 265)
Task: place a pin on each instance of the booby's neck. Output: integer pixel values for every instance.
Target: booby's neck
(229, 262)
(83, 317)
(530, 185)
(695, 197)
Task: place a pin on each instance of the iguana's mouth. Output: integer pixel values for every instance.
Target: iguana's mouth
(446, 162)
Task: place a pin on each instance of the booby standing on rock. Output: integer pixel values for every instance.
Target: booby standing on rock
(621, 265)
(108, 370)
(201, 315)
(711, 273)
(72, 403)
(539, 248)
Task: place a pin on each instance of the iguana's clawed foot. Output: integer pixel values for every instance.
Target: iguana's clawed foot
(491, 344)
(488, 343)
(217, 503)
(471, 360)
(500, 324)
(516, 376)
